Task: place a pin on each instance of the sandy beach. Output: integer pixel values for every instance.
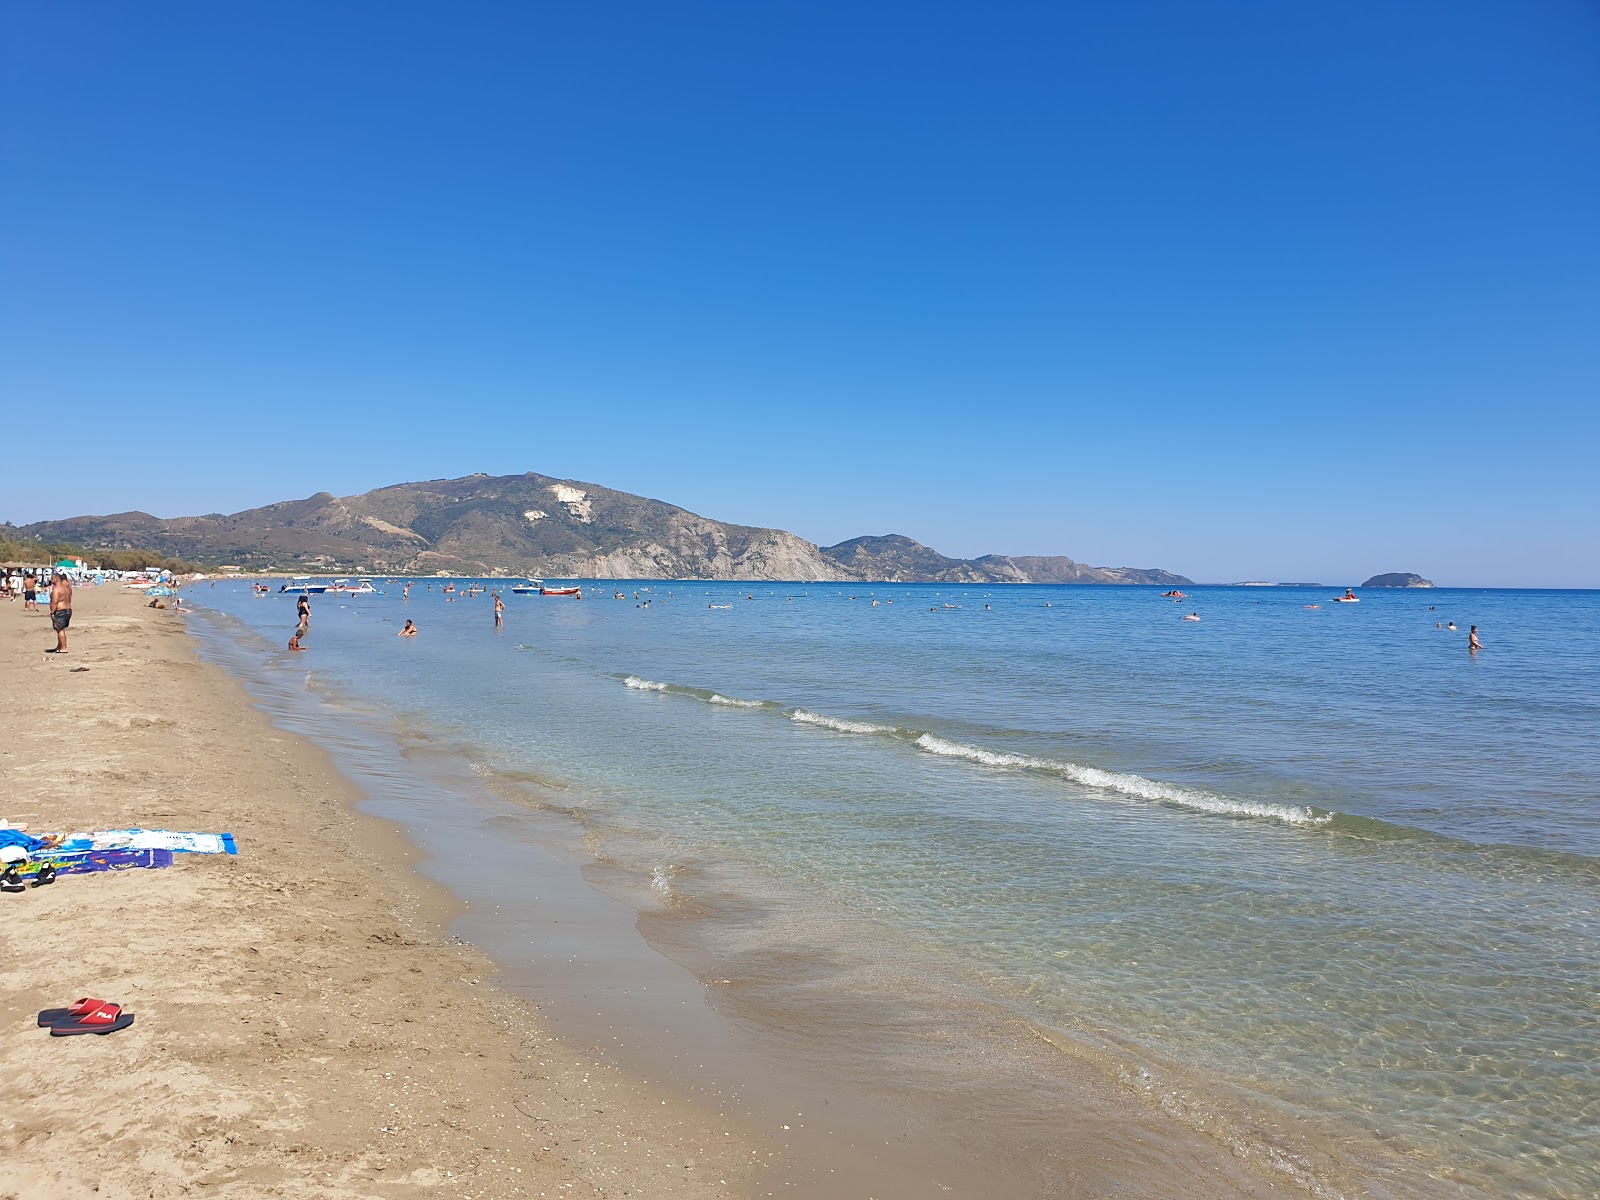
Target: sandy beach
(304, 1025)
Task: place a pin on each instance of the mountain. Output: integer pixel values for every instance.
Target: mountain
(895, 558)
(1400, 579)
(533, 524)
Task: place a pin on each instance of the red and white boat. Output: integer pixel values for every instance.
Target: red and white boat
(561, 591)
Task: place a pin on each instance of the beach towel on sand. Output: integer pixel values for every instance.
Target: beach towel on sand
(87, 862)
(153, 839)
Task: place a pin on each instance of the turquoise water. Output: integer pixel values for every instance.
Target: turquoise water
(1316, 876)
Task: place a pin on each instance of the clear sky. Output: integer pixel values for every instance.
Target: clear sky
(1272, 290)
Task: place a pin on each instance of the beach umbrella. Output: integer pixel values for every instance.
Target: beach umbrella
(67, 562)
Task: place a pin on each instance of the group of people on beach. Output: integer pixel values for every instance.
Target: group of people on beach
(24, 585)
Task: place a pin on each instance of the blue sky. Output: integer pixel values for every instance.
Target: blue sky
(1244, 290)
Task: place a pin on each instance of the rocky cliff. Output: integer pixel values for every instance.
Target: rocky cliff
(534, 524)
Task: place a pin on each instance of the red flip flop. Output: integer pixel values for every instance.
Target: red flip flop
(55, 1016)
(108, 1018)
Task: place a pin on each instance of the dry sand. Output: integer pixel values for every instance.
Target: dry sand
(304, 1025)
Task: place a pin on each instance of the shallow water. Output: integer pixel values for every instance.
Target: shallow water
(1317, 880)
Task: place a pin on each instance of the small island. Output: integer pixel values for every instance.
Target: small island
(1401, 579)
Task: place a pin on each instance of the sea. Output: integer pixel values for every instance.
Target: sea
(1308, 879)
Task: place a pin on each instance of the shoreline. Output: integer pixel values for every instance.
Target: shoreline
(626, 983)
(304, 1019)
(553, 1096)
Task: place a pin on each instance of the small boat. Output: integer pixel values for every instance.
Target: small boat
(561, 591)
(303, 584)
(529, 588)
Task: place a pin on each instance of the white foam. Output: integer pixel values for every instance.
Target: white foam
(733, 701)
(644, 685)
(837, 724)
(1128, 785)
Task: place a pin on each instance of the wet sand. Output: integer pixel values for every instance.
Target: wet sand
(305, 1026)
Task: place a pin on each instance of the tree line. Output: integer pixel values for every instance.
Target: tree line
(16, 549)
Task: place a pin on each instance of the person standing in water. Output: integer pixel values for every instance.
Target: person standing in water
(303, 610)
(1472, 641)
(499, 611)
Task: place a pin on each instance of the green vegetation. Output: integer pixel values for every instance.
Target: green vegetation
(25, 550)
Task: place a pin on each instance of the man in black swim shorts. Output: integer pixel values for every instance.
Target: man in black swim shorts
(60, 610)
(30, 594)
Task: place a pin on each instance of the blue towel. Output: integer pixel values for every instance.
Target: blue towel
(15, 837)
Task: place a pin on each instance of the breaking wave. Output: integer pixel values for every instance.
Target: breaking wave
(838, 724)
(1136, 786)
(1098, 778)
(704, 695)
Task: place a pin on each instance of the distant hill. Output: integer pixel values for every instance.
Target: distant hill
(897, 559)
(1399, 579)
(534, 524)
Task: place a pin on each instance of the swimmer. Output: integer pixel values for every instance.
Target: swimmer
(1473, 645)
(410, 630)
(1194, 616)
(1450, 625)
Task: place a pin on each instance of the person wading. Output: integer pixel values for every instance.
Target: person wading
(303, 607)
